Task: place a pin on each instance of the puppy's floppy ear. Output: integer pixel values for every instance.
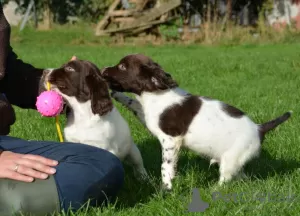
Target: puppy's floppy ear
(158, 77)
(100, 99)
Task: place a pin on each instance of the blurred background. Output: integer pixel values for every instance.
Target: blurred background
(160, 21)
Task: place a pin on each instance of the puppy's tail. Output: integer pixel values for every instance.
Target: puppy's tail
(270, 125)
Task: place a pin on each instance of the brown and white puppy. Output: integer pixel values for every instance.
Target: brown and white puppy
(93, 119)
(210, 127)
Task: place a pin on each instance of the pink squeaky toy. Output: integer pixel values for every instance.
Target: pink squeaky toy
(49, 103)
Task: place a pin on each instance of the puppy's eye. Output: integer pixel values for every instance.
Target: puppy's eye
(68, 68)
(122, 67)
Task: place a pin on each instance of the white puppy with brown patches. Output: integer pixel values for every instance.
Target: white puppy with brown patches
(209, 127)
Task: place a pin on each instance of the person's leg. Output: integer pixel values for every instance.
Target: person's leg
(39, 198)
(83, 173)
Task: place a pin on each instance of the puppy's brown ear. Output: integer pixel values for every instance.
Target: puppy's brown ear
(158, 77)
(101, 102)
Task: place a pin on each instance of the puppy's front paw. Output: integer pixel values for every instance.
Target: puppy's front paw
(165, 190)
(167, 187)
(142, 175)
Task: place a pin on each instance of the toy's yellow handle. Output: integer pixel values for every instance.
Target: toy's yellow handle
(48, 86)
(56, 121)
(58, 129)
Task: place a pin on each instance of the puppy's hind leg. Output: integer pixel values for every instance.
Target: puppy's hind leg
(229, 167)
(135, 159)
(212, 162)
(233, 161)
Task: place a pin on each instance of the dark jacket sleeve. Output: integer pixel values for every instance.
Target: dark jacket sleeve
(4, 41)
(21, 82)
(7, 116)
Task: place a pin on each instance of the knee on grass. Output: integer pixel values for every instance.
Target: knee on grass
(89, 174)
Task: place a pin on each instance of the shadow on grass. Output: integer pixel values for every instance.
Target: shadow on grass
(266, 166)
(263, 167)
(135, 192)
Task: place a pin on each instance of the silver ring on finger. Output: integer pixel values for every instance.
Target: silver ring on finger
(16, 168)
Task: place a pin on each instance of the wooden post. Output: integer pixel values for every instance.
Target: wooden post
(47, 16)
(134, 20)
(229, 9)
(27, 14)
(101, 25)
(35, 15)
(215, 19)
(208, 19)
(227, 15)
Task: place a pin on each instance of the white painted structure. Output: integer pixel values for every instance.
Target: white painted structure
(13, 17)
(284, 12)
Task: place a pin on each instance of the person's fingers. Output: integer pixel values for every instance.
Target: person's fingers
(33, 164)
(30, 172)
(17, 176)
(41, 159)
(11, 154)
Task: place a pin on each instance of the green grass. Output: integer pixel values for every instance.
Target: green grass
(261, 80)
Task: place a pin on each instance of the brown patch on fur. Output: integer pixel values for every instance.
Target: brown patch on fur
(81, 79)
(136, 74)
(176, 120)
(232, 111)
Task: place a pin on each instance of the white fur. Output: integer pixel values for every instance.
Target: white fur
(110, 131)
(228, 141)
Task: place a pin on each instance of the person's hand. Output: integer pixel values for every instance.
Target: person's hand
(25, 167)
(7, 115)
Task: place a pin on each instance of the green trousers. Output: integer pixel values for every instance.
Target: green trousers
(20, 198)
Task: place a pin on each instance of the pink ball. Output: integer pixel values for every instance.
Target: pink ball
(49, 103)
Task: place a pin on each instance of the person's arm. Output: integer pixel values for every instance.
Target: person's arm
(21, 80)
(21, 84)
(4, 41)
(7, 116)
(30, 166)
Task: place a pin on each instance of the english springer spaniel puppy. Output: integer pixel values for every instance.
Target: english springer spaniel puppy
(93, 119)
(214, 129)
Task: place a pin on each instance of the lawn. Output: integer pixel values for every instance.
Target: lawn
(261, 80)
